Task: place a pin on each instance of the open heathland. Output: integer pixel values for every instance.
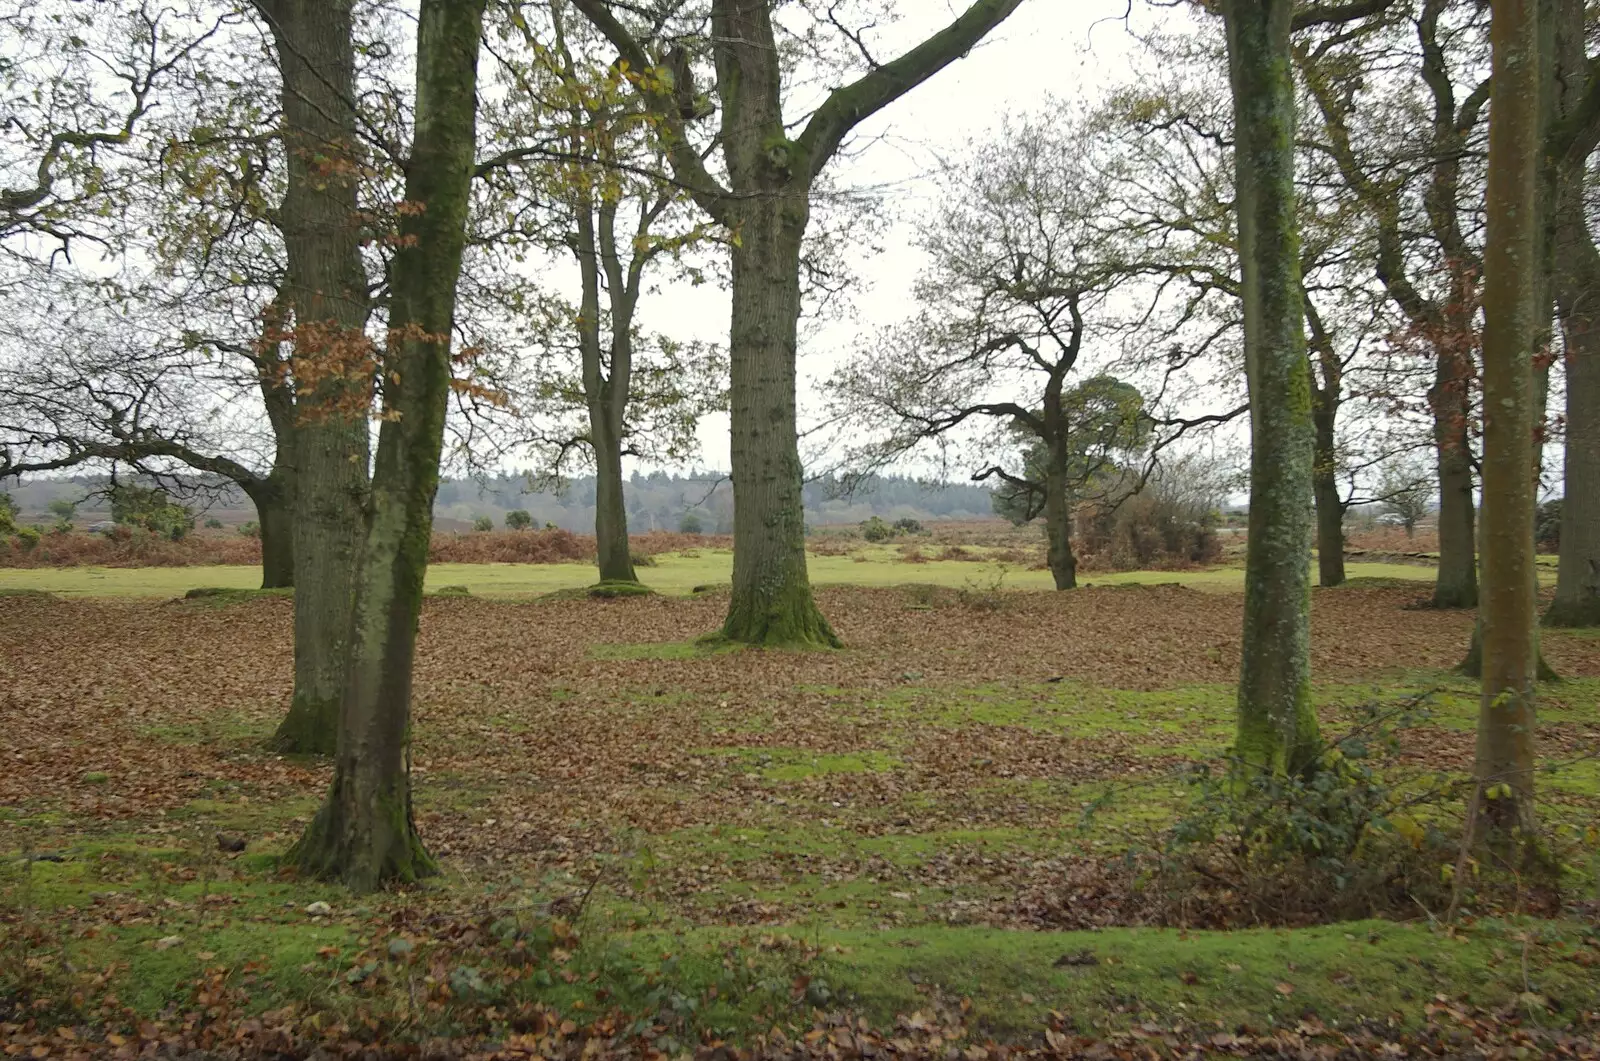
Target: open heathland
(952, 807)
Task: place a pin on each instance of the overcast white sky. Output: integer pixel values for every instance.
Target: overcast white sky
(1067, 49)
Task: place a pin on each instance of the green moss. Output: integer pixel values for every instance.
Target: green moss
(797, 764)
(234, 595)
(698, 649)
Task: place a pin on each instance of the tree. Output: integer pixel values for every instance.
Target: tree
(766, 206)
(1022, 275)
(602, 387)
(1577, 295)
(364, 833)
(1505, 751)
(1417, 190)
(518, 519)
(1406, 490)
(1277, 727)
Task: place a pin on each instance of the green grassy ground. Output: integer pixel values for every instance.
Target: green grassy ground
(672, 573)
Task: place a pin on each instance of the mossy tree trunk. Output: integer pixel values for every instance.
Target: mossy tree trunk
(1456, 584)
(326, 292)
(766, 208)
(1506, 723)
(1277, 728)
(364, 833)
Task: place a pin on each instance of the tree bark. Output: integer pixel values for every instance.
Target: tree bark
(610, 506)
(274, 501)
(1506, 722)
(1277, 728)
(1057, 498)
(327, 291)
(364, 833)
(1456, 585)
(772, 602)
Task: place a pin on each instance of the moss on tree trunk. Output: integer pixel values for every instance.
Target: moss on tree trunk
(1277, 728)
(273, 499)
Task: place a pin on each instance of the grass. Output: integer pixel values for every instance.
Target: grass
(735, 838)
(672, 574)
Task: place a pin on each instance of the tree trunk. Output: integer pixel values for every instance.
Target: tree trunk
(1456, 585)
(1058, 531)
(364, 833)
(1277, 728)
(274, 501)
(772, 602)
(327, 290)
(1330, 506)
(1505, 749)
(1577, 283)
(610, 508)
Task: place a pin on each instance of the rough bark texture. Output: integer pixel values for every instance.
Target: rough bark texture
(1506, 723)
(364, 834)
(327, 291)
(1456, 585)
(1577, 294)
(1277, 729)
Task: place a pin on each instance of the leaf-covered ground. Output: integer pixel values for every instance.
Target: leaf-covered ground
(885, 825)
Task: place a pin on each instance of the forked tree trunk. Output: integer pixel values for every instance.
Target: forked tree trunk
(1277, 727)
(610, 507)
(772, 602)
(364, 834)
(274, 501)
(1506, 723)
(1456, 585)
(327, 290)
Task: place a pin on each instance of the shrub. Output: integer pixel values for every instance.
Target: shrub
(64, 511)
(1547, 526)
(1353, 839)
(213, 523)
(1150, 530)
(250, 529)
(483, 524)
(690, 524)
(518, 519)
(27, 538)
(907, 525)
(8, 514)
(876, 530)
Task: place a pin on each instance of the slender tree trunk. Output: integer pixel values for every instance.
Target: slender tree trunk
(274, 501)
(610, 508)
(772, 602)
(1277, 728)
(1456, 585)
(1506, 723)
(364, 834)
(327, 290)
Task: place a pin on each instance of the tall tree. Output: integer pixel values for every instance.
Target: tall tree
(1277, 727)
(1424, 257)
(1505, 752)
(766, 205)
(324, 313)
(364, 834)
(1577, 295)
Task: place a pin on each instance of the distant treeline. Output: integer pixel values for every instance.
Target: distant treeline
(657, 501)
